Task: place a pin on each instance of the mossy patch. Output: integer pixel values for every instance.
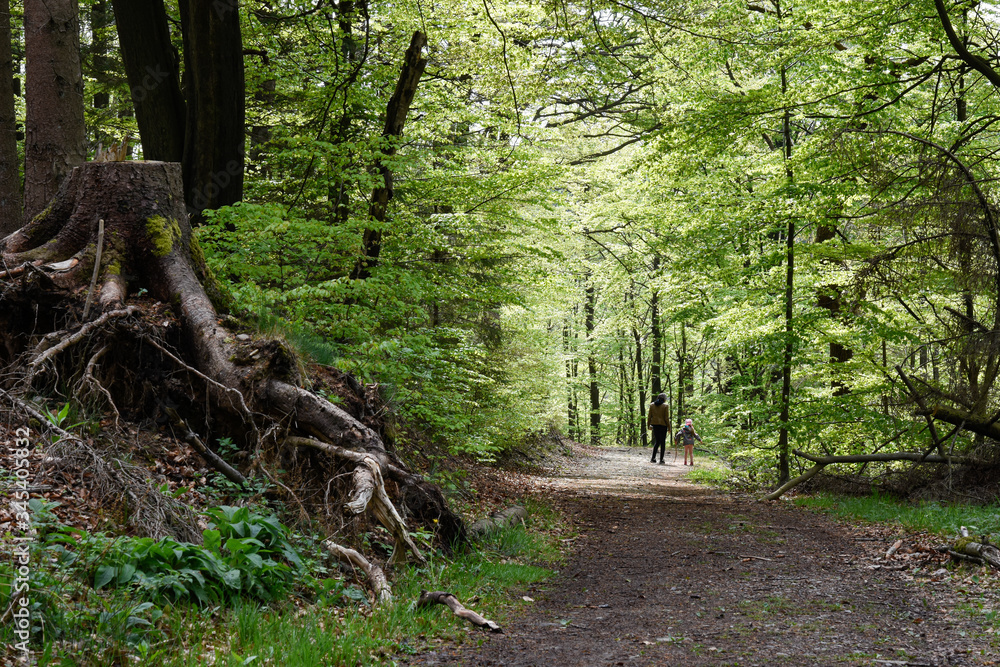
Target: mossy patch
(163, 233)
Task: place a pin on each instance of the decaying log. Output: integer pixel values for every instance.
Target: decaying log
(971, 548)
(498, 520)
(374, 574)
(440, 597)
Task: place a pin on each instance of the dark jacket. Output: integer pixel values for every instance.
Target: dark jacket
(687, 436)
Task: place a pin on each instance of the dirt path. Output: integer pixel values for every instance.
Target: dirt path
(667, 573)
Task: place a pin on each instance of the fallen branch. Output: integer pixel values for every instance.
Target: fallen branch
(374, 574)
(808, 474)
(990, 429)
(917, 457)
(498, 520)
(447, 599)
(968, 546)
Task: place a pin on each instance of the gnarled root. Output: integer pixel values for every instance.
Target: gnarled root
(374, 574)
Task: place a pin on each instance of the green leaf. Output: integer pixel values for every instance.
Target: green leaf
(105, 574)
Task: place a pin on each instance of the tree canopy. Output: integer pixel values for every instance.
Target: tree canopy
(528, 215)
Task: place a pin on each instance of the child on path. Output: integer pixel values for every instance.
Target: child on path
(687, 436)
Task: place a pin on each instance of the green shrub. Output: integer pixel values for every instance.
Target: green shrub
(244, 554)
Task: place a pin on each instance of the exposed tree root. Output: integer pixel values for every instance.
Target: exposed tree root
(121, 483)
(75, 337)
(211, 457)
(242, 389)
(373, 573)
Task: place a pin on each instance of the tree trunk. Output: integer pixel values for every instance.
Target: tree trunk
(395, 118)
(786, 362)
(152, 70)
(830, 299)
(595, 392)
(101, 20)
(55, 137)
(214, 86)
(10, 182)
(642, 387)
(657, 339)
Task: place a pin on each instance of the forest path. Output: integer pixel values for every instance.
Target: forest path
(669, 573)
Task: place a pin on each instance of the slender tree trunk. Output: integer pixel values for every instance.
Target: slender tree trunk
(152, 71)
(657, 338)
(399, 106)
(786, 363)
(642, 387)
(55, 136)
(682, 386)
(214, 152)
(10, 168)
(101, 20)
(570, 394)
(595, 395)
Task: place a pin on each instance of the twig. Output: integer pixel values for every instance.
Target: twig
(89, 379)
(769, 560)
(97, 267)
(213, 459)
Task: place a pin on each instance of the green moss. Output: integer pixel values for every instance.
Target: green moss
(113, 268)
(163, 233)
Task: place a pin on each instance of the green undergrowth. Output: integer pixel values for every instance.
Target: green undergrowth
(935, 517)
(256, 594)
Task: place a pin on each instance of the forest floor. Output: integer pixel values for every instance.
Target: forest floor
(665, 572)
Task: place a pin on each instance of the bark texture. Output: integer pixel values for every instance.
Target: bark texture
(10, 172)
(55, 139)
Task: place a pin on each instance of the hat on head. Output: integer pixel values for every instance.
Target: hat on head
(662, 397)
(688, 422)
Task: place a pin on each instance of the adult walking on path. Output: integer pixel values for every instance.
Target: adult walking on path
(687, 436)
(659, 422)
